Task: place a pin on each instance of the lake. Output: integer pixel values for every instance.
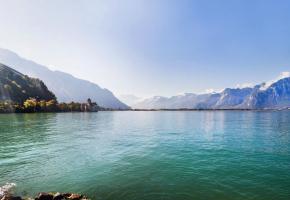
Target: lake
(198, 155)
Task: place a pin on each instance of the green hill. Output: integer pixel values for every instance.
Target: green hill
(18, 87)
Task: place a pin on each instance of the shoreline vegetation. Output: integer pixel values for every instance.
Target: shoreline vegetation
(34, 105)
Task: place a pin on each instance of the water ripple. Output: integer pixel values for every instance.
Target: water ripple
(149, 155)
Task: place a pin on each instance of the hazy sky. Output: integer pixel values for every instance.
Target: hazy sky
(152, 47)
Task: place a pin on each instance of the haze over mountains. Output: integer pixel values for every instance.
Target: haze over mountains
(130, 99)
(66, 87)
(274, 95)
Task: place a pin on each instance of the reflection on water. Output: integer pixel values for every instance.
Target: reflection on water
(149, 155)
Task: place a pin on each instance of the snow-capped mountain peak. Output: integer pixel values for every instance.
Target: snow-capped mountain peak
(267, 84)
(272, 94)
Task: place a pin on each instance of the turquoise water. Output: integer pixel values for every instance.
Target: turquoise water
(222, 155)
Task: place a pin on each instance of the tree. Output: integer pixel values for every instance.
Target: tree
(42, 105)
(30, 105)
(51, 106)
(63, 107)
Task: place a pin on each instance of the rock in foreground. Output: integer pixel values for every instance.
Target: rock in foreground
(48, 196)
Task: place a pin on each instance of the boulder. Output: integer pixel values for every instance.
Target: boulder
(4, 197)
(44, 196)
(47, 196)
(8, 197)
(75, 197)
(58, 196)
(16, 198)
(66, 195)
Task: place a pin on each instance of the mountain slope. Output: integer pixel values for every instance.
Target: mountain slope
(18, 87)
(66, 87)
(227, 99)
(275, 96)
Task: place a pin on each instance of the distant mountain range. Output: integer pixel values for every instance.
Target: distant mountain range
(263, 96)
(18, 87)
(66, 87)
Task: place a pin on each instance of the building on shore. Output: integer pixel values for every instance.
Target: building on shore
(89, 106)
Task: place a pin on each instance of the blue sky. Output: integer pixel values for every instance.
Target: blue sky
(153, 47)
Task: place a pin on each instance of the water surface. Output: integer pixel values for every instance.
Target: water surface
(149, 155)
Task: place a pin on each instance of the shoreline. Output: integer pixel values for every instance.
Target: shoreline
(158, 110)
(46, 196)
(7, 193)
